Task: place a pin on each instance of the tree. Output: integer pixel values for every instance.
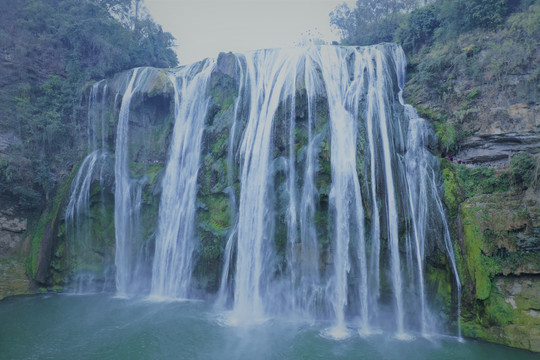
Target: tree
(419, 28)
(52, 48)
(371, 21)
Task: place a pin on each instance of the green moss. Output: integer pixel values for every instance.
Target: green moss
(213, 221)
(13, 280)
(430, 114)
(153, 171)
(49, 218)
(440, 286)
(498, 311)
(482, 180)
(473, 330)
(150, 169)
(452, 193)
(220, 145)
(217, 215)
(159, 84)
(473, 243)
(482, 282)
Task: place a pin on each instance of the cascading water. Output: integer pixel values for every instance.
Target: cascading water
(77, 218)
(268, 72)
(332, 193)
(127, 194)
(224, 293)
(306, 283)
(421, 169)
(172, 266)
(345, 196)
(364, 118)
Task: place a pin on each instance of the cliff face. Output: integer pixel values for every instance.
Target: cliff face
(499, 240)
(481, 91)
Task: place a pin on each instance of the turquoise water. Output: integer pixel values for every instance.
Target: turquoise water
(104, 327)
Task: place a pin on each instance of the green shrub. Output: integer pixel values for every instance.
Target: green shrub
(450, 136)
(524, 169)
(481, 180)
(419, 28)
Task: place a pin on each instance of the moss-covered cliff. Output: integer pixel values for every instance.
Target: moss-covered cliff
(496, 234)
(480, 90)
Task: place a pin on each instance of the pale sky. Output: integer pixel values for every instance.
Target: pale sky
(203, 28)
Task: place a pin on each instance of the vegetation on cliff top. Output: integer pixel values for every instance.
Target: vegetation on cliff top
(49, 50)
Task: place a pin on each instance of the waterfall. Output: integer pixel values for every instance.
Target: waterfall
(224, 293)
(77, 217)
(126, 201)
(308, 279)
(422, 182)
(345, 196)
(391, 206)
(268, 72)
(172, 266)
(367, 156)
(330, 189)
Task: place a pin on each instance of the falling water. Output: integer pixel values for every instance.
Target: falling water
(345, 197)
(421, 168)
(124, 195)
(172, 266)
(223, 293)
(360, 263)
(292, 221)
(268, 72)
(308, 279)
(78, 221)
(77, 217)
(373, 128)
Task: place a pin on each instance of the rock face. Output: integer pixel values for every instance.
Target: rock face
(498, 148)
(523, 328)
(13, 279)
(11, 229)
(500, 264)
(481, 92)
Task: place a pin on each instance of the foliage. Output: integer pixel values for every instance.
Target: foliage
(370, 22)
(458, 16)
(452, 193)
(524, 168)
(449, 135)
(419, 28)
(481, 180)
(52, 48)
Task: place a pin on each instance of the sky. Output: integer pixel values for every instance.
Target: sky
(204, 28)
